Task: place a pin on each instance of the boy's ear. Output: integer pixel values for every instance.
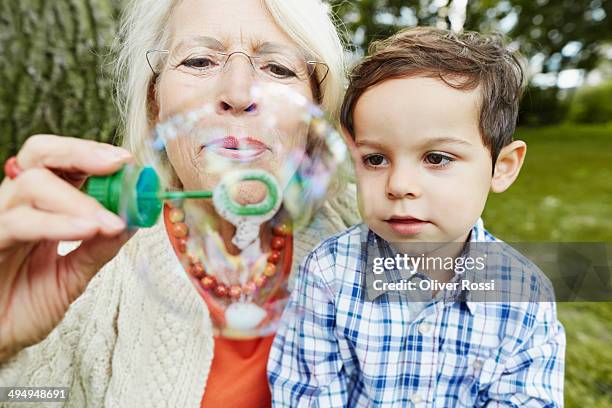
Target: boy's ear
(508, 165)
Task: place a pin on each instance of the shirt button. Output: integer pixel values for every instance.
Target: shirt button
(424, 328)
(477, 365)
(416, 398)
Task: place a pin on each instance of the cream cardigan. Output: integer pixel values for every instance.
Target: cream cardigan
(140, 335)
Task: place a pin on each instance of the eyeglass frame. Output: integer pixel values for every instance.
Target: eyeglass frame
(250, 57)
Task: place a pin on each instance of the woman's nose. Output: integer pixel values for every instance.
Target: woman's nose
(403, 183)
(236, 82)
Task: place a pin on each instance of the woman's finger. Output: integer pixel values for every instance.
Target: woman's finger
(42, 190)
(71, 155)
(84, 262)
(26, 224)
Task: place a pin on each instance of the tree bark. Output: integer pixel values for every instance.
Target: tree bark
(55, 70)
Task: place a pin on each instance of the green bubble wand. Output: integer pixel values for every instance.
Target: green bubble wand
(135, 193)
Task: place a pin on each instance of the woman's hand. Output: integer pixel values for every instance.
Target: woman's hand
(39, 208)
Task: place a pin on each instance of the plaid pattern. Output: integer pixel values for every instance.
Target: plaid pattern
(336, 349)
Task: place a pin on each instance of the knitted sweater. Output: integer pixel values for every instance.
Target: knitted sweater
(140, 335)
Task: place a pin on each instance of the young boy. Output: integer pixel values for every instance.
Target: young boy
(431, 114)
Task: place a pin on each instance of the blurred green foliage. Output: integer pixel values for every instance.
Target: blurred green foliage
(543, 27)
(542, 107)
(592, 104)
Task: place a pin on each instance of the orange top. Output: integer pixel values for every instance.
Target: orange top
(238, 376)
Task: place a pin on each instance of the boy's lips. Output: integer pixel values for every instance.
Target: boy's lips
(243, 149)
(406, 225)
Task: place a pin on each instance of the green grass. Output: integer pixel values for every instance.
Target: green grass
(564, 194)
(564, 191)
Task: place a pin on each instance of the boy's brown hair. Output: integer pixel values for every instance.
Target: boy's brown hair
(462, 60)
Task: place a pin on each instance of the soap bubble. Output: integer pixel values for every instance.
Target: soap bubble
(266, 170)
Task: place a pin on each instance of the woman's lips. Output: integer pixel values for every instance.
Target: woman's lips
(406, 225)
(244, 149)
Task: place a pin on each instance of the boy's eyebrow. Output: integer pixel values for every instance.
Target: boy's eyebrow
(445, 140)
(426, 143)
(370, 143)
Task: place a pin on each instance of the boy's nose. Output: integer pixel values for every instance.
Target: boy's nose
(403, 184)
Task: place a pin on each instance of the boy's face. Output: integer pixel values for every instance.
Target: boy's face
(423, 171)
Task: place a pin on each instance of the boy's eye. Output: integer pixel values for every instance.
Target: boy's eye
(438, 159)
(375, 160)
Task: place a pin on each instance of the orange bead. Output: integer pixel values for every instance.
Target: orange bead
(180, 230)
(197, 270)
(260, 281)
(274, 257)
(192, 259)
(249, 288)
(269, 270)
(221, 290)
(209, 282)
(182, 245)
(176, 215)
(281, 230)
(235, 292)
(278, 243)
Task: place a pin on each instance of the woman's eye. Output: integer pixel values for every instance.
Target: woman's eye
(279, 70)
(199, 63)
(438, 159)
(375, 160)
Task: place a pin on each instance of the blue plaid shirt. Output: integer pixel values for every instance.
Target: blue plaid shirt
(336, 349)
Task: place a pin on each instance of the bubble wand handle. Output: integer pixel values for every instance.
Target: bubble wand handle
(180, 195)
(132, 193)
(135, 194)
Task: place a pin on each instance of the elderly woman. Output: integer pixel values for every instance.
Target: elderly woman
(86, 320)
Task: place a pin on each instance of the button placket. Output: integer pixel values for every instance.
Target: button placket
(426, 328)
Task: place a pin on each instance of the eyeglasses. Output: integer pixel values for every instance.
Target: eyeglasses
(274, 66)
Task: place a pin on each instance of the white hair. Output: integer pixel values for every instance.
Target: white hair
(145, 27)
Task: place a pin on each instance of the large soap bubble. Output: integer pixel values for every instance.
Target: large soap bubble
(265, 173)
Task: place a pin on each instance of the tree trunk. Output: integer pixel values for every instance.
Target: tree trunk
(55, 70)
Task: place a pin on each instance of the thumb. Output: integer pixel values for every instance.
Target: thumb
(82, 264)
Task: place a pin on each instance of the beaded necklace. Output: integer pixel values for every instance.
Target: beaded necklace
(282, 239)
